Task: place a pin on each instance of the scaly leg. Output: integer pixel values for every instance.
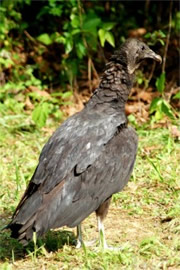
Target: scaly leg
(101, 213)
(102, 238)
(79, 236)
(80, 241)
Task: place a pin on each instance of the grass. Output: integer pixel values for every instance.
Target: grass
(144, 219)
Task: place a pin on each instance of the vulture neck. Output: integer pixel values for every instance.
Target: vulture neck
(114, 88)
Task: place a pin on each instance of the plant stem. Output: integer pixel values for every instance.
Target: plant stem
(168, 37)
(90, 62)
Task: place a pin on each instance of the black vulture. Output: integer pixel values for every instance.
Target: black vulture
(88, 158)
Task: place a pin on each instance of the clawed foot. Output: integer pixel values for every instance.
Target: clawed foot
(106, 248)
(79, 243)
(96, 247)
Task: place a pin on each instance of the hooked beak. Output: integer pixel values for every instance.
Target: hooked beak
(154, 56)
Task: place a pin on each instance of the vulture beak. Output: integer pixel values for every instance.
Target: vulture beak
(154, 56)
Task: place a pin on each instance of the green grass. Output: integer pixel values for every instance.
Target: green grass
(143, 220)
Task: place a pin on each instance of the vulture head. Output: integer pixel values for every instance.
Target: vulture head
(133, 52)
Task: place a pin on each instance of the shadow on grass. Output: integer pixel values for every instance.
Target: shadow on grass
(11, 249)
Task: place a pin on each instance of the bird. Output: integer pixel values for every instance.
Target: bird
(88, 158)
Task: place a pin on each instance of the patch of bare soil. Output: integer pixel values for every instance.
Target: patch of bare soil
(121, 227)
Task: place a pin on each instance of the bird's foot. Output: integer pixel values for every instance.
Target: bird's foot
(94, 243)
(79, 243)
(91, 243)
(106, 248)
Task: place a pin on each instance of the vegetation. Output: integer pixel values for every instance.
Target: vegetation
(51, 53)
(43, 64)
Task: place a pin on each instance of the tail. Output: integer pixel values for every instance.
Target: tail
(23, 221)
(15, 232)
(22, 232)
(15, 228)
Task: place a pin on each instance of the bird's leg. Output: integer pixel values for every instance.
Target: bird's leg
(101, 213)
(80, 241)
(79, 236)
(102, 238)
(103, 243)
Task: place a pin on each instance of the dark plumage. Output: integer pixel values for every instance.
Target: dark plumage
(88, 158)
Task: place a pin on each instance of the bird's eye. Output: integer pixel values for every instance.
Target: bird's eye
(142, 48)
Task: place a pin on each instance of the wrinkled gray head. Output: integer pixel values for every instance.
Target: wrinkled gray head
(133, 52)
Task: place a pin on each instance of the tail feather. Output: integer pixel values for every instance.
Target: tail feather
(21, 232)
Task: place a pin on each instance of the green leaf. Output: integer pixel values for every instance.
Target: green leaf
(58, 114)
(177, 96)
(161, 107)
(155, 107)
(69, 46)
(166, 109)
(160, 82)
(108, 26)
(161, 41)
(60, 39)
(148, 35)
(68, 42)
(177, 21)
(57, 37)
(161, 34)
(154, 37)
(102, 34)
(40, 114)
(106, 36)
(80, 49)
(139, 80)
(158, 114)
(75, 31)
(75, 21)
(110, 38)
(45, 39)
(7, 63)
(66, 94)
(155, 104)
(90, 23)
(56, 11)
(132, 119)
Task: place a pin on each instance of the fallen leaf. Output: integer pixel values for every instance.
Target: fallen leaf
(39, 92)
(137, 32)
(175, 132)
(145, 96)
(28, 104)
